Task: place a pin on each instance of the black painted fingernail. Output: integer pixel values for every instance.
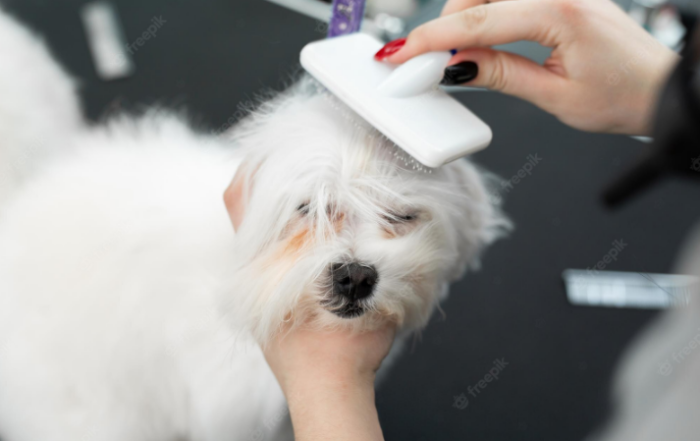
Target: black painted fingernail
(460, 73)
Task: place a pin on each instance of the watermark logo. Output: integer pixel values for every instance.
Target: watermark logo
(613, 78)
(665, 368)
(678, 357)
(461, 401)
(321, 27)
(695, 164)
(257, 435)
(11, 171)
(641, 56)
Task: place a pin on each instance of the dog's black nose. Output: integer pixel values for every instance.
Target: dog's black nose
(353, 281)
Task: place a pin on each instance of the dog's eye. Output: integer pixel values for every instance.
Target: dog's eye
(304, 209)
(401, 218)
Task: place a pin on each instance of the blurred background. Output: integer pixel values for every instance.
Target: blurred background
(213, 57)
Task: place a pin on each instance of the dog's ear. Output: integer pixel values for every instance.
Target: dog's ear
(237, 195)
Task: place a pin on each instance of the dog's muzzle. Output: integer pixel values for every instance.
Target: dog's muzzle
(351, 284)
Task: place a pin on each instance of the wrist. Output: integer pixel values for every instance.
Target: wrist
(347, 382)
(334, 407)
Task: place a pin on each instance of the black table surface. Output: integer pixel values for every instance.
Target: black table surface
(211, 55)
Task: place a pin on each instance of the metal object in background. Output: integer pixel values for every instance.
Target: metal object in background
(106, 40)
(377, 22)
(346, 17)
(616, 289)
(676, 133)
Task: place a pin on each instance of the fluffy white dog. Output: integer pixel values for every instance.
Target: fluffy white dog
(129, 309)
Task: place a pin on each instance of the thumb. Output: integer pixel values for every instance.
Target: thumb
(505, 72)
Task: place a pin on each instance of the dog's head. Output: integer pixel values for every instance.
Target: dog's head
(334, 227)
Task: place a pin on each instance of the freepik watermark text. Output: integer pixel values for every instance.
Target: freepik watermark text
(525, 171)
(611, 256)
(461, 401)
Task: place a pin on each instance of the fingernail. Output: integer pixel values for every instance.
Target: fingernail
(389, 49)
(460, 73)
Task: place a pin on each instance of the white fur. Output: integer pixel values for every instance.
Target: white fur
(305, 147)
(37, 103)
(129, 309)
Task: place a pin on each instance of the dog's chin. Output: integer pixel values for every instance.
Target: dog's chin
(349, 310)
(343, 308)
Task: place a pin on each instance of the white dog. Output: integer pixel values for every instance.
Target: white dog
(129, 309)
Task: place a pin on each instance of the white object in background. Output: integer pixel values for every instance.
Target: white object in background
(396, 8)
(313, 8)
(106, 41)
(617, 289)
(644, 139)
(418, 75)
(662, 19)
(432, 127)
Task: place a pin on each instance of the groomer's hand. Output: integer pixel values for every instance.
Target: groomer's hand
(328, 380)
(604, 73)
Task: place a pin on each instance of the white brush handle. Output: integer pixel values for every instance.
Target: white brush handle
(418, 75)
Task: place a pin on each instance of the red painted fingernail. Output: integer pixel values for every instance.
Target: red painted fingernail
(390, 48)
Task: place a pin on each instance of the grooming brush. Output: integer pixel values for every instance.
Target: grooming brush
(402, 102)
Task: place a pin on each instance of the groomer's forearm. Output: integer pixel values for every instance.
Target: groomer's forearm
(336, 410)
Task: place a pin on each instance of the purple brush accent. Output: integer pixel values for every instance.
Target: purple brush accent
(347, 17)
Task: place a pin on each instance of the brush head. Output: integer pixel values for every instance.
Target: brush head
(432, 127)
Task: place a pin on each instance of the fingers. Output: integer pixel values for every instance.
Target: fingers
(512, 74)
(453, 6)
(484, 25)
